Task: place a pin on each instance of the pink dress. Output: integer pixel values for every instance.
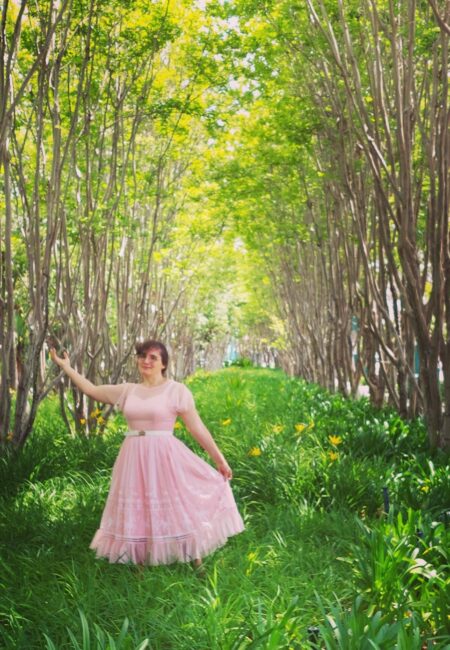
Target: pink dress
(165, 503)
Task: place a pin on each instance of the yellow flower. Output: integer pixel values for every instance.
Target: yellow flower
(333, 455)
(277, 428)
(300, 427)
(335, 440)
(178, 425)
(425, 488)
(255, 451)
(96, 413)
(226, 422)
(252, 558)
(82, 421)
(100, 420)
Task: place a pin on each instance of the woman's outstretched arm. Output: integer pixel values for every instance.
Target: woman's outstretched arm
(108, 394)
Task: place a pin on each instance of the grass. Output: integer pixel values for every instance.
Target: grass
(318, 550)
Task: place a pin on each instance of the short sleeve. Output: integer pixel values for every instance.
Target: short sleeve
(185, 400)
(120, 401)
(114, 394)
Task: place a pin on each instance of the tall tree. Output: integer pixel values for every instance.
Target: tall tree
(93, 166)
(369, 227)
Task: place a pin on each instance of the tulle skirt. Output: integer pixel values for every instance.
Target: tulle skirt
(165, 504)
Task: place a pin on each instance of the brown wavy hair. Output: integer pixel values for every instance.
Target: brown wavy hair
(150, 344)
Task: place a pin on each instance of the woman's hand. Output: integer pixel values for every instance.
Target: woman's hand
(106, 394)
(63, 362)
(224, 469)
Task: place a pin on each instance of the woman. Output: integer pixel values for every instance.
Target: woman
(165, 503)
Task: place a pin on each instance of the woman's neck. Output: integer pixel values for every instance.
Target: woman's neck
(157, 381)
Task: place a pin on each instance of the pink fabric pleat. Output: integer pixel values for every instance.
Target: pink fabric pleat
(165, 504)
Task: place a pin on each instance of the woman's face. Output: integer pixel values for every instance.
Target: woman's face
(150, 363)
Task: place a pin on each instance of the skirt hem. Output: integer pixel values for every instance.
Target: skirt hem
(183, 548)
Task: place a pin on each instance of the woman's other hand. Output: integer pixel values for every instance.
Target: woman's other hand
(224, 469)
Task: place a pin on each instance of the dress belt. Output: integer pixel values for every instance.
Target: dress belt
(148, 433)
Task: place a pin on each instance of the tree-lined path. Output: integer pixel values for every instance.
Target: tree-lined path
(254, 182)
(272, 174)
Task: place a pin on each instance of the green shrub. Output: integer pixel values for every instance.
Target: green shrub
(362, 628)
(240, 362)
(401, 564)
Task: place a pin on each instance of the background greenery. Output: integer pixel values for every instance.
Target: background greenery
(318, 550)
(226, 173)
(265, 177)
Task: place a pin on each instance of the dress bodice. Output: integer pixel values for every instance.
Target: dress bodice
(154, 408)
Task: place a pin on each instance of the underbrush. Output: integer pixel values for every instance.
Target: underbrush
(346, 543)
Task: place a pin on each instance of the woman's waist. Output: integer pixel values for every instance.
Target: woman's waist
(151, 425)
(149, 432)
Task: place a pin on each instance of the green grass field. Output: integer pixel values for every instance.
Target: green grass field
(318, 550)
